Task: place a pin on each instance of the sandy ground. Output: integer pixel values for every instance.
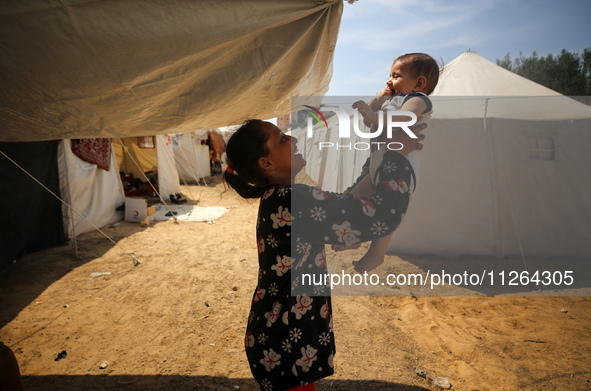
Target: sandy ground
(176, 321)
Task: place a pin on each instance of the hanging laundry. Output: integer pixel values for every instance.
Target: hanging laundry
(93, 150)
(146, 142)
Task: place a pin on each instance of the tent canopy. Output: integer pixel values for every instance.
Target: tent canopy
(473, 87)
(98, 68)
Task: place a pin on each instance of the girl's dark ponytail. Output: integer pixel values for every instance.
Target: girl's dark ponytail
(243, 150)
(243, 188)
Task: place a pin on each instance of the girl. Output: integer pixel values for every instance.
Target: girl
(289, 337)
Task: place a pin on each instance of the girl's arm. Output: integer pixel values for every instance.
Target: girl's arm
(337, 218)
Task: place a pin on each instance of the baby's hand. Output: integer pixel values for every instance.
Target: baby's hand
(359, 104)
(363, 108)
(386, 92)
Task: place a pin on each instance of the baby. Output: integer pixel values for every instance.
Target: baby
(412, 77)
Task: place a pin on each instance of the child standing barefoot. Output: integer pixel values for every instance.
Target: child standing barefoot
(412, 77)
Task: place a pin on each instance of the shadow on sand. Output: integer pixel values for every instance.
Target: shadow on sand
(181, 383)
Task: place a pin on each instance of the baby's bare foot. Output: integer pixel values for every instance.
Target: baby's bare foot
(367, 263)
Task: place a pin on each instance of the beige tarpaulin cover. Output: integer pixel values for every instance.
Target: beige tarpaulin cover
(98, 68)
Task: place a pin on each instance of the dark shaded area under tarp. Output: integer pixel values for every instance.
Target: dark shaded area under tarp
(30, 217)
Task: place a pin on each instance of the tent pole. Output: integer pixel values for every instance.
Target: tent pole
(71, 228)
(196, 163)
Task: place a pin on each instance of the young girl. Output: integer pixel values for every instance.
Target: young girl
(413, 76)
(289, 339)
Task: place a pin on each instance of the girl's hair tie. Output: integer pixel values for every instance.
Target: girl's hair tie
(230, 170)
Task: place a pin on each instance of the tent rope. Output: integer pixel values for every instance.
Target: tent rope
(133, 257)
(174, 219)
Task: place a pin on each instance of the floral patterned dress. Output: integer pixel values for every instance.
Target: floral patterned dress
(289, 337)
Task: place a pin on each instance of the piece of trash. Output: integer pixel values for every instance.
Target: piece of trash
(421, 373)
(439, 381)
(243, 259)
(211, 344)
(98, 274)
(61, 355)
(206, 304)
(564, 310)
(66, 306)
(39, 302)
(145, 222)
(104, 365)
(234, 288)
(136, 262)
(236, 387)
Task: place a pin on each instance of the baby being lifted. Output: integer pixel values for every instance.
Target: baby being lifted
(412, 77)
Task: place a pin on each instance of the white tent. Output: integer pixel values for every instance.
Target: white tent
(191, 155)
(505, 169)
(332, 162)
(91, 191)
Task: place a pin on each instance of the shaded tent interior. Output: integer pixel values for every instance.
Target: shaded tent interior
(32, 217)
(147, 163)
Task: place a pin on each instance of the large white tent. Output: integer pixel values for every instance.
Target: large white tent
(505, 169)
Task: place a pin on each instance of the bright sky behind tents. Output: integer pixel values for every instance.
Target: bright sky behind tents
(374, 32)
